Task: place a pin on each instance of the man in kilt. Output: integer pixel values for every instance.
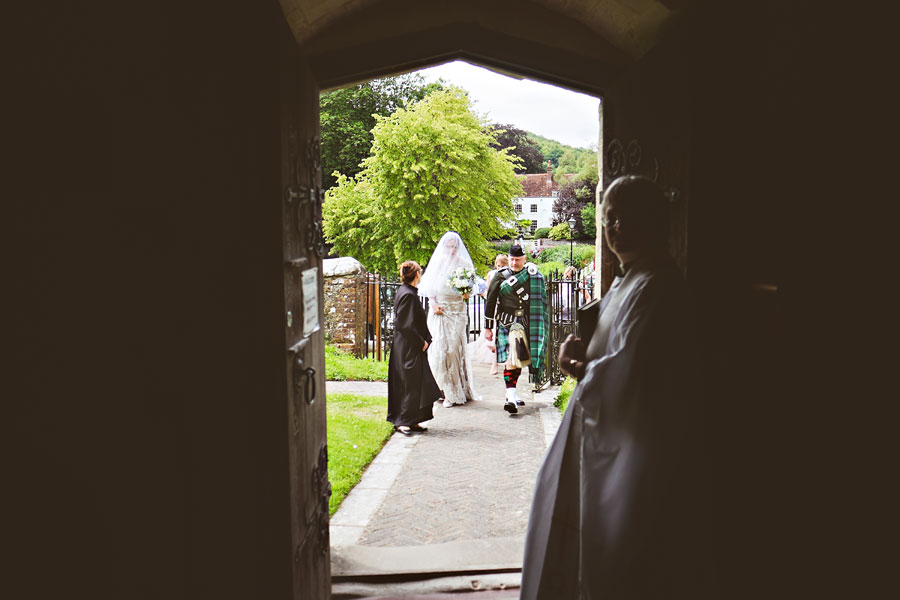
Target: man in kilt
(516, 304)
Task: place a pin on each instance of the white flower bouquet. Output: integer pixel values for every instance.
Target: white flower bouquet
(462, 280)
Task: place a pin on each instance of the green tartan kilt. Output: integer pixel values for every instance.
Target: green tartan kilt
(503, 340)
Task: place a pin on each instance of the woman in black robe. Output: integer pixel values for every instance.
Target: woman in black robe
(412, 389)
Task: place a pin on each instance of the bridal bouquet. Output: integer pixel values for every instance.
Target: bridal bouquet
(462, 280)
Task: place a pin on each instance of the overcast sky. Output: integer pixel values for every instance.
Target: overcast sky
(567, 117)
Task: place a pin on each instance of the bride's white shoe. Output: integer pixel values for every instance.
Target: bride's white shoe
(447, 404)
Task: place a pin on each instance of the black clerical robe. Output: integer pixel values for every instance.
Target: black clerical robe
(412, 389)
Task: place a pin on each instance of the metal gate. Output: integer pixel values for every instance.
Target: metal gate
(565, 296)
(379, 305)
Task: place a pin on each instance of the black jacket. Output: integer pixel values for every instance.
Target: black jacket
(411, 386)
(505, 307)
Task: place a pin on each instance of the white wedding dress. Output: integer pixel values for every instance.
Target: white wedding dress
(448, 353)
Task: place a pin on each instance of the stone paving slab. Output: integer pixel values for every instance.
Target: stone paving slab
(496, 554)
(486, 586)
(380, 476)
(470, 476)
(355, 513)
(356, 509)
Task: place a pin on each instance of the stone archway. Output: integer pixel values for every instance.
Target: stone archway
(150, 413)
(343, 43)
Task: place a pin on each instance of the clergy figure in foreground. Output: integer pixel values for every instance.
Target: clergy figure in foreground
(620, 504)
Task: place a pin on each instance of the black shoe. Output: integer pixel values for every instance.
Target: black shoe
(520, 403)
(510, 408)
(418, 428)
(403, 431)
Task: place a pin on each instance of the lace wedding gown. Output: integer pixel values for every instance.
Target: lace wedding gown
(447, 354)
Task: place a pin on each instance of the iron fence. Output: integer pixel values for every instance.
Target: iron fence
(565, 294)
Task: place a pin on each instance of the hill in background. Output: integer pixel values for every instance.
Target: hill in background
(567, 159)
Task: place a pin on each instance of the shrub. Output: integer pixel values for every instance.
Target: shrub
(565, 392)
(559, 232)
(542, 232)
(546, 267)
(589, 221)
(582, 254)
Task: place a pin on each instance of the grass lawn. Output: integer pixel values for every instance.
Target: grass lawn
(356, 432)
(343, 366)
(565, 392)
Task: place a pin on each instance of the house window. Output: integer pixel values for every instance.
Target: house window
(518, 207)
(534, 208)
(556, 193)
(533, 226)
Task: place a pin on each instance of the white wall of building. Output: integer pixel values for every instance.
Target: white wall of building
(544, 214)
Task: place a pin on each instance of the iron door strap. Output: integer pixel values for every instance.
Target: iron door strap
(317, 521)
(310, 394)
(304, 381)
(296, 368)
(315, 240)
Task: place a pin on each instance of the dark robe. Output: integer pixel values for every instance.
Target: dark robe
(621, 504)
(412, 389)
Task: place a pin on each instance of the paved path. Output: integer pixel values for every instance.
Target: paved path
(470, 476)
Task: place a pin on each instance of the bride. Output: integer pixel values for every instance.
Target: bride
(447, 320)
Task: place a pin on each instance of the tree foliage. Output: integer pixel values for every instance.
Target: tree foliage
(520, 144)
(582, 162)
(573, 197)
(551, 149)
(567, 159)
(589, 220)
(434, 168)
(559, 232)
(347, 117)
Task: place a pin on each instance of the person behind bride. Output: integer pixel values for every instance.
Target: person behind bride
(482, 350)
(447, 313)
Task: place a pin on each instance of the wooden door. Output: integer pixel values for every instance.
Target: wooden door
(646, 120)
(304, 351)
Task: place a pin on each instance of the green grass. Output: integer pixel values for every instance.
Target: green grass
(356, 432)
(565, 392)
(582, 254)
(343, 366)
(546, 267)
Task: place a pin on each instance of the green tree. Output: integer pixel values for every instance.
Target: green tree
(347, 117)
(580, 161)
(521, 145)
(434, 168)
(567, 159)
(551, 149)
(559, 232)
(589, 220)
(573, 197)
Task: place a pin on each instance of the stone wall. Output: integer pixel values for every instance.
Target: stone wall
(345, 303)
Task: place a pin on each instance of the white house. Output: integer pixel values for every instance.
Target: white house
(539, 192)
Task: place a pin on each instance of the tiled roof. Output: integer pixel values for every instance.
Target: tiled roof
(539, 185)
